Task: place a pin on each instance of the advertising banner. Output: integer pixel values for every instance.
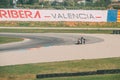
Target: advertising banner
(53, 15)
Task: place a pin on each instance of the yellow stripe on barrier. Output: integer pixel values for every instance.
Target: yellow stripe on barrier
(118, 20)
(118, 13)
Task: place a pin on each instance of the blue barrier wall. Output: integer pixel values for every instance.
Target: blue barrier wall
(112, 16)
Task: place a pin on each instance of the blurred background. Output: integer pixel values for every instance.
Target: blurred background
(61, 4)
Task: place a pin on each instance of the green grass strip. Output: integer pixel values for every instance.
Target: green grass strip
(29, 71)
(9, 40)
(60, 24)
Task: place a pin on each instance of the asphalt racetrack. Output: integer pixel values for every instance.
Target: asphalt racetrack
(52, 47)
(44, 40)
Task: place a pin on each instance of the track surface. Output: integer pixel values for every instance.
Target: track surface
(51, 47)
(45, 39)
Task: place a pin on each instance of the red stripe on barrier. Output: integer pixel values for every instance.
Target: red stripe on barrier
(118, 16)
(47, 16)
(98, 17)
